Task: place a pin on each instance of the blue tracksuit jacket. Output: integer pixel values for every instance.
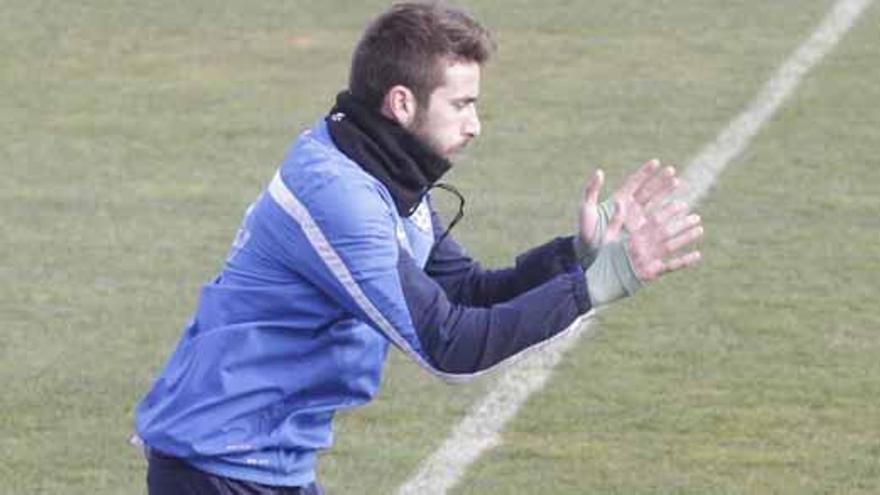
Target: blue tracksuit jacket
(322, 275)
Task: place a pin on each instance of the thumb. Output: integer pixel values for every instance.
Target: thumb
(594, 187)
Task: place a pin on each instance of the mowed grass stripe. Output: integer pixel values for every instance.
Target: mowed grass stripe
(764, 378)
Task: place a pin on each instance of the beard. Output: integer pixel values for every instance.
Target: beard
(420, 130)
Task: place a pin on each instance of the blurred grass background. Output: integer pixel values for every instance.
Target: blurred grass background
(136, 134)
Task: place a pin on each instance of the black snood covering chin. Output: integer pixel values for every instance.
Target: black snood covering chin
(394, 156)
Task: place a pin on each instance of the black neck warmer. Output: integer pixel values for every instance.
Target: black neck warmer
(385, 150)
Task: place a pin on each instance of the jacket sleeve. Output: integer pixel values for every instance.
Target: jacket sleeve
(466, 282)
(349, 249)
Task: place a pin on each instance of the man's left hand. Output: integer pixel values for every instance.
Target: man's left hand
(636, 235)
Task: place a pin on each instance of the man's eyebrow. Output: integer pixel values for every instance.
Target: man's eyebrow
(465, 99)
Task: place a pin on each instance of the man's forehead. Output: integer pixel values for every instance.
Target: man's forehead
(461, 77)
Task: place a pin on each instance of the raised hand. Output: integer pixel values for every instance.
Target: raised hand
(637, 235)
(663, 232)
(638, 191)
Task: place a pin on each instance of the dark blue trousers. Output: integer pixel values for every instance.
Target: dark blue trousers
(168, 475)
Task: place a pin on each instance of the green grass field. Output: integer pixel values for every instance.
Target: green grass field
(135, 135)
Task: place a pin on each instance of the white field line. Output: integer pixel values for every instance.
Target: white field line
(705, 168)
(481, 429)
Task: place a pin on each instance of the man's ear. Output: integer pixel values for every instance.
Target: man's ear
(400, 105)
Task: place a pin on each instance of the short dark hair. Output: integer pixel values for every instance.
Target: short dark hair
(408, 44)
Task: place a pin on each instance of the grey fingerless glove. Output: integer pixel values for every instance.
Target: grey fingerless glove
(586, 253)
(608, 269)
(611, 275)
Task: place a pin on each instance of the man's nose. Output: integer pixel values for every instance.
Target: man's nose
(472, 125)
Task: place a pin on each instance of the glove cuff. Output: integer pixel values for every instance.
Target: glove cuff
(586, 253)
(612, 276)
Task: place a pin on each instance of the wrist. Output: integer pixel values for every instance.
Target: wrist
(586, 252)
(611, 276)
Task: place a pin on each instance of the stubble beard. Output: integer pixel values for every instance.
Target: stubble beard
(418, 129)
(429, 141)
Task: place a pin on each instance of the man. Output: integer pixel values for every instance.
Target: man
(342, 255)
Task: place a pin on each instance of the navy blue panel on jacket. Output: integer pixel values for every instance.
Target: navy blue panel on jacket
(465, 339)
(466, 282)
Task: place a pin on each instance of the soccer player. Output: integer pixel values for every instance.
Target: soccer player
(342, 255)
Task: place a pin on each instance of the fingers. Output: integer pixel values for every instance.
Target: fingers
(657, 186)
(664, 227)
(680, 225)
(594, 187)
(635, 181)
(653, 248)
(670, 211)
(684, 261)
(588, 215)
(652, 269)
(688, 236)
